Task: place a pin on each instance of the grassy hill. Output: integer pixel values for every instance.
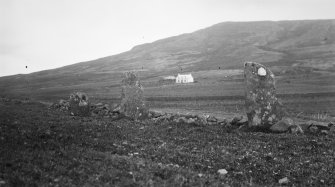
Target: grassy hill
(301, 54)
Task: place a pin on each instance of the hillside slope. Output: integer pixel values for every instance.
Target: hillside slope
(286, 46)
(228, 45)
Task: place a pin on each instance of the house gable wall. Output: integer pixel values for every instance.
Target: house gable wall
(184, 78)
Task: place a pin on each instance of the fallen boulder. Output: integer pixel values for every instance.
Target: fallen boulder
(282, 125)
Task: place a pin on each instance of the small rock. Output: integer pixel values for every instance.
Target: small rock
(325, 132)
(212, 119)
(181, 120)
(116, 109)
(223, 122)
(296, 129)
(202, 120)
(222, 171)
(313, 129)
(236, 119)
(62, 102)
(283, 180)
(190, 121)
(99, 104)
(155, 114)
(282, 125)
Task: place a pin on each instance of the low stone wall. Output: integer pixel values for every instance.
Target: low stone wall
(237, 123)
(188, 119)
(105, 111)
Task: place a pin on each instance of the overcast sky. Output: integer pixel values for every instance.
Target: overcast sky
(45, 34)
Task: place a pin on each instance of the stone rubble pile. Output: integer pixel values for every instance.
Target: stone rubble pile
(62, 105)
(79, 104)
(99, 109)
(4, 100)
(185, 118)
(103, 110)
(286, 125)
(315, 127)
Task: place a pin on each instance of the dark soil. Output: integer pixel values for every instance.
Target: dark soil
(42, 147)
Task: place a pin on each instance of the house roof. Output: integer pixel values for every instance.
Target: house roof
(185, 75)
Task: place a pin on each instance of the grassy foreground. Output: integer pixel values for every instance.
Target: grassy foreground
(42, 147)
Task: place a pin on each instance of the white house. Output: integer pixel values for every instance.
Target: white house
(184, 78)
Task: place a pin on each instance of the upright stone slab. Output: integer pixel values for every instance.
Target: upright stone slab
(132, 99)
(262, 106)
(79, 104)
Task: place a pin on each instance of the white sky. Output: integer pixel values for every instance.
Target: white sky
(45, 34)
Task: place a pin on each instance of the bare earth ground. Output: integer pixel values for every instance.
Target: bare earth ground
(41, 147)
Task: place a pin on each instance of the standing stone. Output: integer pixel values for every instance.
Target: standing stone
(132, 99)
(79, 104)
(262, 106)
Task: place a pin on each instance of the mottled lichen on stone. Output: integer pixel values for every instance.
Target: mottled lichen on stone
(132, 97)
(261, 101)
